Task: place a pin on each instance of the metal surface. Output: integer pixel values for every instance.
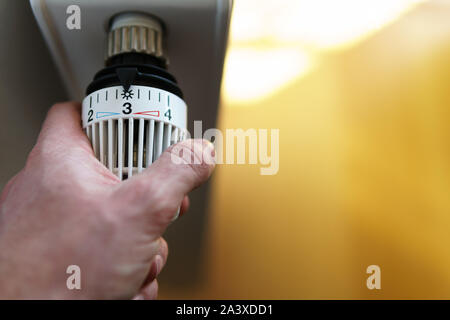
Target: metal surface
(196, 36)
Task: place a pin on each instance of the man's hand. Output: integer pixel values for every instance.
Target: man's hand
(65, 208)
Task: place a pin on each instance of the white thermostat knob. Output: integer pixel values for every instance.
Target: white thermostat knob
(133, 109)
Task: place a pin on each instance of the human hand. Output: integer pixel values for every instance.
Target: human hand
(65, 208)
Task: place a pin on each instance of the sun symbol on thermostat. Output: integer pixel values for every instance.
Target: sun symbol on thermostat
(127, 94)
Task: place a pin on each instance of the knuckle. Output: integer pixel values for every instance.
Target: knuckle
(166, 207)
(33, 156)
(54, 108)
(40, 156)
(164, 246)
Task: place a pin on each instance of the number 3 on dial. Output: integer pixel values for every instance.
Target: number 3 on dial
(127, 108)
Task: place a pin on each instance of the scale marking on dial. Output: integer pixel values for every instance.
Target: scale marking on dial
(106, 114)
(158, 104)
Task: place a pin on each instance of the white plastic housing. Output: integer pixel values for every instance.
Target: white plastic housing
(130, 129)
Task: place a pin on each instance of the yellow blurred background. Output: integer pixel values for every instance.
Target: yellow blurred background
(360, 91)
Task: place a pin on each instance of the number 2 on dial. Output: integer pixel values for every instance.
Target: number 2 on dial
(90, 114)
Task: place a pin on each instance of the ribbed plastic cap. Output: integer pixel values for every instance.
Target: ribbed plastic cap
(135, 32)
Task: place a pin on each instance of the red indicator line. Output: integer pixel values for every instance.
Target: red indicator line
(154, 113)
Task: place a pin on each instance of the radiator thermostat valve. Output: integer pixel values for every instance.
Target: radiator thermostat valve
(133, 109)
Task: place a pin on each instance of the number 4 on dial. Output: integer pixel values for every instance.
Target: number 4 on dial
(168, 114)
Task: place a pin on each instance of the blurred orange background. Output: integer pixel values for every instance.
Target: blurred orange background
(360, 91)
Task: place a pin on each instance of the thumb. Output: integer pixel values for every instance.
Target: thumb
(184, 166)
(159, 190)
